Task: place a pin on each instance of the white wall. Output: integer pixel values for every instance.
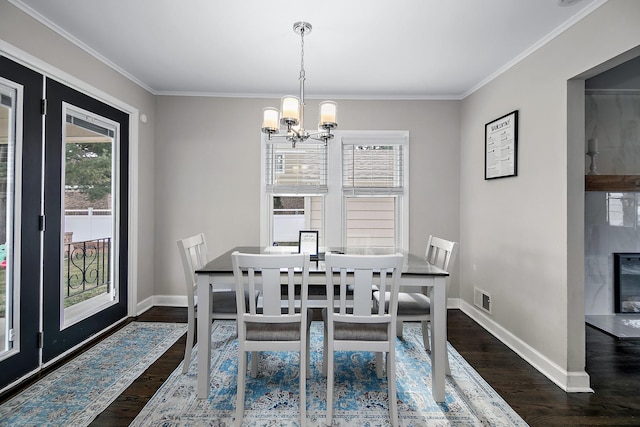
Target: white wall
(522, 238)
(208, 165)
(42, 49)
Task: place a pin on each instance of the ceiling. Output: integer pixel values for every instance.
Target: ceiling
(367, 49)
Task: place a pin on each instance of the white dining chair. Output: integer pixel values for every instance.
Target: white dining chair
(283, 320)
(194, 255)
(416, 306)
(353, 324)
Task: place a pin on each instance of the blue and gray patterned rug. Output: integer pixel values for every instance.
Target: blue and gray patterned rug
(360, 398)
(77, 392)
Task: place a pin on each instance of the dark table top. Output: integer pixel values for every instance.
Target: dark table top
(413, 264)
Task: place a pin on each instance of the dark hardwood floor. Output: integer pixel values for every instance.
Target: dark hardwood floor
(613, 365)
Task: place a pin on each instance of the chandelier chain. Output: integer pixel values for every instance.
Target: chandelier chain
(302, 53)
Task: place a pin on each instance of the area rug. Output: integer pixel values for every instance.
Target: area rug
(78, 391)
(360, 398)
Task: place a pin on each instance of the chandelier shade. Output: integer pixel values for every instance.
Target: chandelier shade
(271, 120)
(328, 113)
(290, 110)
(291, 114)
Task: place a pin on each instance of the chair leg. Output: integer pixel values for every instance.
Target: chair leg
(308, 342)
(324, 353)
(425, 335)
(242, 373)
(399, 326)
(391, 381)
(329, 366)
(303, 383)
(189, 346)
(254, 364)
(446, 353)
(379, 363)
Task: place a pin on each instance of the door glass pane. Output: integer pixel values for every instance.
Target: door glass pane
(7, 192)
(88, 229)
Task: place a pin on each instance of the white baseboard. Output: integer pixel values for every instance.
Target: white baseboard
(571, 382)
(170, 300)
(143, 306)
(161, 300)
(453, 303)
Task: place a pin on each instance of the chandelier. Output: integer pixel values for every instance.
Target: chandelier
(291, 115)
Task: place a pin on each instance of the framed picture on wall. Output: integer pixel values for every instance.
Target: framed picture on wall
(308, 242)
(501, 147)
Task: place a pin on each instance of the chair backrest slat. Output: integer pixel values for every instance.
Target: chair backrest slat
(362, 272)
(363, 279)
(382, 287)
(268, 273)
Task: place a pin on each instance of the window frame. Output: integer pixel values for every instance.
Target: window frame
(334, 217)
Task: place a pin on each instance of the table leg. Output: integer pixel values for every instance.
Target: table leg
(439, 331)
(204, 335)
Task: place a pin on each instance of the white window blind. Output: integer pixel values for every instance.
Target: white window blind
(300, 170)
(372, 168)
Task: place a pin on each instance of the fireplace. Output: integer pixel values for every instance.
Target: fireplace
(626, 277)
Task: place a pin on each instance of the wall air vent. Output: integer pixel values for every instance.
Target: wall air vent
(482, 300)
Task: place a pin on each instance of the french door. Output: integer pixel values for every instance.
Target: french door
(63, 218)
(86, 156)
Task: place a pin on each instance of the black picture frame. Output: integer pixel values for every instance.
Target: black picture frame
(501, 147)
(308, 242)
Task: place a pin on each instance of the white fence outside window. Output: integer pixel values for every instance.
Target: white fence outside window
(88, 224)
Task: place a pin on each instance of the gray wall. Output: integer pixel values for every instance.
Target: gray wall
(523, 237)
(208, 171)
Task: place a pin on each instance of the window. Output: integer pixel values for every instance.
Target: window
(291, 214)
(354, 191)
(295, 181)
(373, 187)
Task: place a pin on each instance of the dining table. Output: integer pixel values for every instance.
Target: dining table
(417, 273)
